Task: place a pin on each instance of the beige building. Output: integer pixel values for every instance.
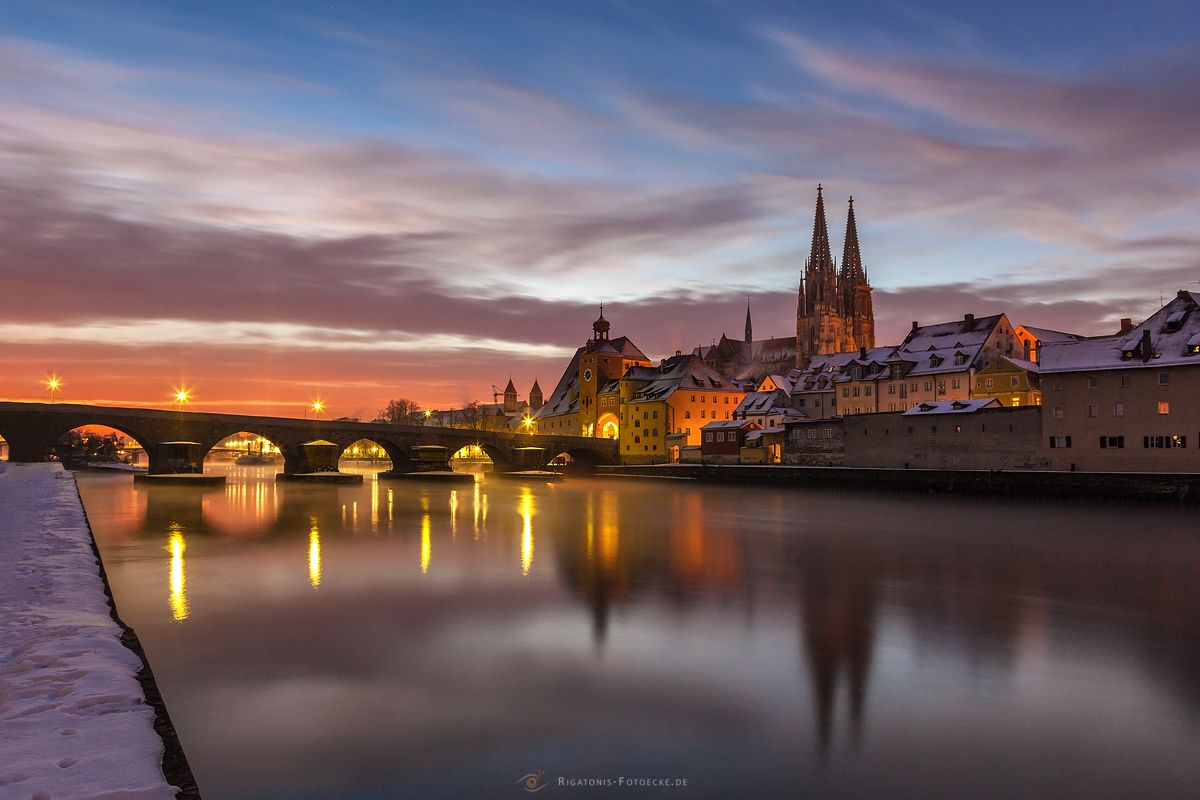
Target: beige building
(1128, 402)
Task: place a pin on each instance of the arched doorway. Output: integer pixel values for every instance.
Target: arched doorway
(3, 448)
(100, 447)
(608, 426)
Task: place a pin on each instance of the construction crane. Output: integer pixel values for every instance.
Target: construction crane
(497, 393)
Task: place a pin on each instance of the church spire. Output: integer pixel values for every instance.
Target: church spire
(819, 257)
(851, 257)
(749, 327)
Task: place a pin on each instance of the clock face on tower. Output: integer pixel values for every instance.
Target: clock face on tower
(587, 375)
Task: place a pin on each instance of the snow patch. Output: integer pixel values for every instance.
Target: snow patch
(73, 720)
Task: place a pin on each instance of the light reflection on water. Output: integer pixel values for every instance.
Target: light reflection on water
(758, 643)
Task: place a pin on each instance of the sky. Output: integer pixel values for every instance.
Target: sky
(271, 202)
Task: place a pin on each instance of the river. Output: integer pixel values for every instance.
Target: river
(408, 640)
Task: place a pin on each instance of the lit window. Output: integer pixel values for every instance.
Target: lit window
(1164, 407)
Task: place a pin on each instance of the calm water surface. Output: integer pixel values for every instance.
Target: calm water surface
(404, 640)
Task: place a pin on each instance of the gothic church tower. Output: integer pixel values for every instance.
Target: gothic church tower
(833, 314)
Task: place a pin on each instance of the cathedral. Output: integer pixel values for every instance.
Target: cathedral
(834, 312)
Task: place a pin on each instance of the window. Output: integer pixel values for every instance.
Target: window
(1164, 442)
(687, 414)
(1091, 381)
(645, 415)
(656, 413)
(708, 437)
(1058, 412)
(1014, 380)
(1056, 384)
(637, 423)
(855, 392)
(801, 403)
(958, 428)
(956, 383)
(1016, 401)
(941, 387)
(891, 388)
(1164, 378)
(1164, 407)
(1060, 441)
(1118, 409)
(845, 391)
(929, 386)
(1091, 409)
(1124, 381)
(988, 383)
(1112, 442)
(867, 391)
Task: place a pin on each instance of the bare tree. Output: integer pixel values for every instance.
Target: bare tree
(399, 411)
(472, 416)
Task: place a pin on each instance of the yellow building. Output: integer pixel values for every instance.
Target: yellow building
(580, 404)
(1012, 381)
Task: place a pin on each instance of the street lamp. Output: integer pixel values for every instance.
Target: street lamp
(183, 396)
(53, 383)
(527, 423)
(317, 407)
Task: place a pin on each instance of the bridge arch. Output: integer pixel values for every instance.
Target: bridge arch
(263, 447)
(97, 441)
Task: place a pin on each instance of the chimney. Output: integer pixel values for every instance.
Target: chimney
(915, 326)
(968, 322)
(1028, 350)
(862, 353)
(1126, 325)
(678, 352)
(1147, 346)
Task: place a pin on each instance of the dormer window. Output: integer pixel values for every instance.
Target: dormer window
(1175, 321)
(935, 361)
(960, 359)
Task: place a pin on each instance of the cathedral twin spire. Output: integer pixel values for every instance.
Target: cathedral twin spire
(834, 312)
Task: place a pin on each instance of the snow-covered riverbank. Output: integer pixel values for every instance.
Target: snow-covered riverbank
(74, 722)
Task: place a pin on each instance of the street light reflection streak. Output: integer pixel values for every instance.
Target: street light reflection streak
(314, 552)
(179, 602)
(526, 511)
(426, 546)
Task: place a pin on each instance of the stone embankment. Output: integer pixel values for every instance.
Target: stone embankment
(1174, 487)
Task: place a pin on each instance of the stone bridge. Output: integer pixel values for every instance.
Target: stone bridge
(33, 429)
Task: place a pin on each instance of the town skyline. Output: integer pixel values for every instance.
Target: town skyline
(369, 216)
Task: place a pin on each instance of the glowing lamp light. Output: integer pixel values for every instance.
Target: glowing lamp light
(428, 413)
(182, 395)
(53, 383)
(527, 423)
(318, 406)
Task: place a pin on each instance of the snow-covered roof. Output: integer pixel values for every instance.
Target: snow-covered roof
(1045, 335)
(681, 373)
(951, 406)
(1172, 334)
(735, 424)
(565, 397)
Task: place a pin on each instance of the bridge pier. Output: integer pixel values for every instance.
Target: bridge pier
(320, 465)
(429, 462)
(178, 462)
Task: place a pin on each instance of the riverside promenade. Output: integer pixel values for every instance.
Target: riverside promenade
(74, 718)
